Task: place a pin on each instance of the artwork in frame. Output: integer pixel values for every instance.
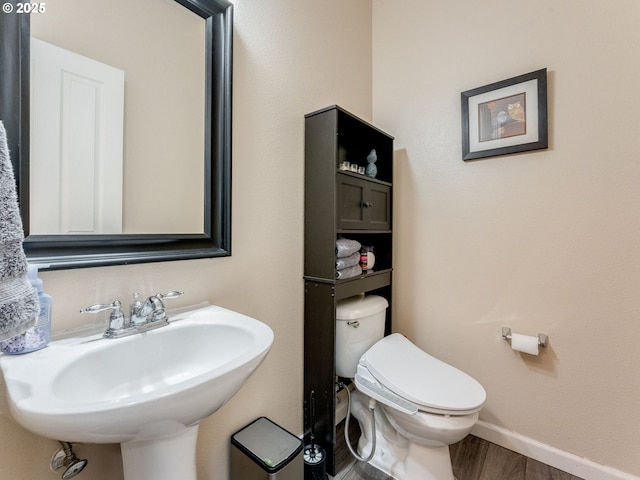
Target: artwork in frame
(505, 117)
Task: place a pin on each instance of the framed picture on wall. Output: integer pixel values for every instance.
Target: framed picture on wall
(505, 117)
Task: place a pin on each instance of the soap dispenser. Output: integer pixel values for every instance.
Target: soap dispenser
(39, 335)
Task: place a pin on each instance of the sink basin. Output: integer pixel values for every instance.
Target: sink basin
(147, 391)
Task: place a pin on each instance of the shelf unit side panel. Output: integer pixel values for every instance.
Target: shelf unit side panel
(320, 195)
(319, 365)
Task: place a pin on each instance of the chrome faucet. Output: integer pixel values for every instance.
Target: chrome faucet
(144, 316)
(152, 310)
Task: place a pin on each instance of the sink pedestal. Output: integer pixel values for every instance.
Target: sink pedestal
(161, 459)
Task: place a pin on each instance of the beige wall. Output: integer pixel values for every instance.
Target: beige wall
(543, 242)
(290, 58)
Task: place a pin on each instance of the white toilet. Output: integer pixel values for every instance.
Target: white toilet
(421, 405)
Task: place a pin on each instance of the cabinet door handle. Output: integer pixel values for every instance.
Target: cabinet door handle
(367, 204)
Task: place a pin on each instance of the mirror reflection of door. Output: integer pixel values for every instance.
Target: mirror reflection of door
(76, 143)
(161, 48)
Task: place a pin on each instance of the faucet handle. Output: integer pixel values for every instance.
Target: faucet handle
(159, 311)
(116, 305)
(173, 294)
(117, 322)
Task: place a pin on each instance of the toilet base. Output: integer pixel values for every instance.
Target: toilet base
(420, 463)
(395, 455)
(428, 463)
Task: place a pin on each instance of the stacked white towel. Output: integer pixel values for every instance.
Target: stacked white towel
(346, 247)
(347, 258)
(346, 262)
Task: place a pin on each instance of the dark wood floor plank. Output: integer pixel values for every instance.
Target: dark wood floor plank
(467, 457)
(539, 471)
(502, 464)
(364, 471)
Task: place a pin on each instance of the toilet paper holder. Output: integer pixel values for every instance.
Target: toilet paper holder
(543, 339)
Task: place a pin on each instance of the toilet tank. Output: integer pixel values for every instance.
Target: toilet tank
(359, 324)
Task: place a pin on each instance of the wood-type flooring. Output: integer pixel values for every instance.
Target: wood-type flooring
(474, 459)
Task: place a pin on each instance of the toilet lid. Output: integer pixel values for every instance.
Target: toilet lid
(422, 379)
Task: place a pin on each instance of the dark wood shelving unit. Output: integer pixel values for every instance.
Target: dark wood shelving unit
(340, 204)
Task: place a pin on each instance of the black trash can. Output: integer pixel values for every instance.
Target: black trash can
(264, 450)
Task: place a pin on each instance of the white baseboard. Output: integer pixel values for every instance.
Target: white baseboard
(554, 457)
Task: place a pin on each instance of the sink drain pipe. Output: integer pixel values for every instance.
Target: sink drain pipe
(67, 459)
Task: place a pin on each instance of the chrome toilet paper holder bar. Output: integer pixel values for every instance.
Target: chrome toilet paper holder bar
(543, 339)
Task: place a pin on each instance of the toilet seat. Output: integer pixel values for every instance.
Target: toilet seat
(413, 374)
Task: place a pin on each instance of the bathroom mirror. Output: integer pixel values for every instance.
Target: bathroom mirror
(209, 239)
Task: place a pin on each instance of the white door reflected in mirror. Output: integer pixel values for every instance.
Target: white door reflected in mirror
(160, 47)
(77, 121)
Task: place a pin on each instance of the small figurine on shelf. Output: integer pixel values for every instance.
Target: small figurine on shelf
(372, 170)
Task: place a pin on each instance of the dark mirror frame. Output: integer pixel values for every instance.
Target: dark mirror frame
(75, 251)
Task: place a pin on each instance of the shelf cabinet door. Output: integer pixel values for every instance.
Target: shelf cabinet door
(378, 207)
(363, 205)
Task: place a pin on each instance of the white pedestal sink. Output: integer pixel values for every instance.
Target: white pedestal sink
(148, 391)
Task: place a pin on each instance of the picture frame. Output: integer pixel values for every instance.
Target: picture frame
(505, 117)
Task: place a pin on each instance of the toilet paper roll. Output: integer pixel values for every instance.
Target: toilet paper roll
(524, 343)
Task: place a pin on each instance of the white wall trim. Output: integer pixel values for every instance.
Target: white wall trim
(554, 457)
